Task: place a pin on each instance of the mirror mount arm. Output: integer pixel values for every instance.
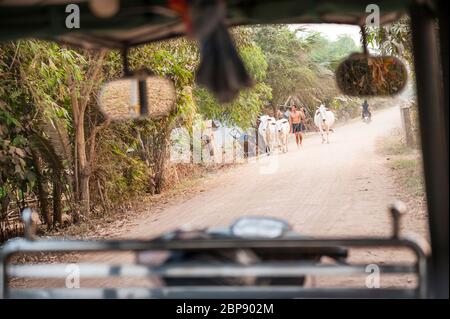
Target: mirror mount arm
(143, 100)
(364, 39)
(125, 62)
(364, 44)
(142, 84)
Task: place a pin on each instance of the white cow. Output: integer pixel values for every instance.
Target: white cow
(324, 120)
(267, 130)
(262, 130)
(283, 134)
(272, 129)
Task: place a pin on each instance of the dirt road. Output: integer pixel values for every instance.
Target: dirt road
(334, 189)
(337, 189)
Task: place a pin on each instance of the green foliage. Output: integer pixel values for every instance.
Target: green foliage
(14, 152)
(122, 172)
(330, 53)
(16, 173)
(345, 107)
(255, 62)
(175, 59)
(292, 70)
(394, 39)
(245, 109)
(242, 112)
(284, 56)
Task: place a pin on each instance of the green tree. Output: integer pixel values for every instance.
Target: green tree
(330, 53)
(393, 39)
(245, 109)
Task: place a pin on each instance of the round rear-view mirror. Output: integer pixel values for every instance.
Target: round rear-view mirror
(363, 75)
(132, 98)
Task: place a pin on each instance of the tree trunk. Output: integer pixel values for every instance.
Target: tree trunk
(159, 170)
(4, 202)
(274, 110)
(81, 93)
(84, 171)
(42, 189)
(160, 157)
(57, 205)
(84, 194)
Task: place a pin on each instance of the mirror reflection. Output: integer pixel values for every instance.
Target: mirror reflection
(362, 75)
(120, 99)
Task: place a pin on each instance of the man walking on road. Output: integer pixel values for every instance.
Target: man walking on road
(295, 120)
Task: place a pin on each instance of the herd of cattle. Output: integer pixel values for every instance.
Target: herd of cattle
(274, 133)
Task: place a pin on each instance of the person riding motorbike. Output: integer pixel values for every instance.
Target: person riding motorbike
(365, 110)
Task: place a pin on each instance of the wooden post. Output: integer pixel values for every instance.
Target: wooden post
(407, 125)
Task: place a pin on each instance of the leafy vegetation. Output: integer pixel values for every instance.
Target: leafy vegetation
(301, 65)
(394, 39)
(330, 53)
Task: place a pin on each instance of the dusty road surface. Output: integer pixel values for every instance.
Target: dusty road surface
(337, 189)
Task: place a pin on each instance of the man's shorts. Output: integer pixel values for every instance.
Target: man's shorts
(297, 128)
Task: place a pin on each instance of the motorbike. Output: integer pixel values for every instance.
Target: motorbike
(366, 117)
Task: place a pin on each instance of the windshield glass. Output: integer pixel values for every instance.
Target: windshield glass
(290, 146)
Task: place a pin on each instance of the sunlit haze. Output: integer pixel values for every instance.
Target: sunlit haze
(332, 31)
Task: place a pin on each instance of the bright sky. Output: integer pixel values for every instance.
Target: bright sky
(332, 31)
